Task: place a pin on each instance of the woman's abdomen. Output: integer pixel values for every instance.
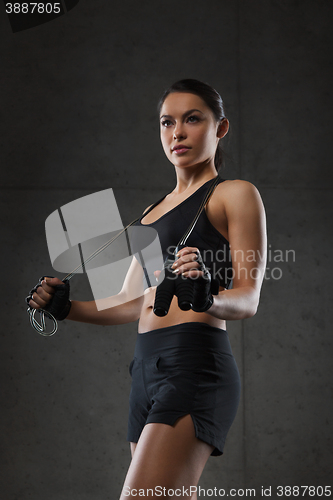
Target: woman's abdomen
(149, 321)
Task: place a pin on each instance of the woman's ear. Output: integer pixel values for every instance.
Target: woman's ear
(223, 128)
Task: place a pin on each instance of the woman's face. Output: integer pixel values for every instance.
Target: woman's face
(189, 131)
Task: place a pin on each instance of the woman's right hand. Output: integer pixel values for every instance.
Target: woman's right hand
(44, 292)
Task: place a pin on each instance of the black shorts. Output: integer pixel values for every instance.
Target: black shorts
(184, 369)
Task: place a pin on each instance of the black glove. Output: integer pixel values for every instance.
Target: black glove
(204, 288)
(59, 306)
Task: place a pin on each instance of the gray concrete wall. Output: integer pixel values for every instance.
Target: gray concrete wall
(78, 99)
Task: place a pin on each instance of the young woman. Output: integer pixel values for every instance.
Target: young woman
(185, 383)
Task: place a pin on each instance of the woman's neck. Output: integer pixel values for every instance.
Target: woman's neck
(189, 179)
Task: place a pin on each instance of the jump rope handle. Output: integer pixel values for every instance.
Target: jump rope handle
(173, 284)
(57, 310)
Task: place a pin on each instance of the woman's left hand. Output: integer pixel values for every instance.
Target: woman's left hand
(191, 265)
(187, 263)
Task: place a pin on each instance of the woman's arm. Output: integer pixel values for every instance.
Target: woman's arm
(124, 307)
(87, 312)
(121, 308)
(248, 246)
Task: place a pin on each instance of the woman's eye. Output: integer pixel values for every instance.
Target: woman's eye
(165, 123)
(192, 119)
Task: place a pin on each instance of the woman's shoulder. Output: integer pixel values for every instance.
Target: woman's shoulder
(237, 185)
(236, 190)
(236, 197)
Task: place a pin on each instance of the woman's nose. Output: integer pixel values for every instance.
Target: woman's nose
(179, 132)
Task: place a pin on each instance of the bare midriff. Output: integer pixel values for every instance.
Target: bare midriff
(149, 321)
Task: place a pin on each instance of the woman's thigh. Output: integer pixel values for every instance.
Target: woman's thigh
(169, 457)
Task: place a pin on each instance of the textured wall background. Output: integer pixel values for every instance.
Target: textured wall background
(78, 100)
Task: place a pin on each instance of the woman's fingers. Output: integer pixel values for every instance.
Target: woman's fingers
(41, 297)
(48, 284)
(34, 304)
(36, 301)
(187, 262)
(157, 275)
(187, 250)
(190, 272)
(43, 294)
(193, 273)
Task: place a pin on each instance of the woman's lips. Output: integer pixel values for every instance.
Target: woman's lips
(180, 149)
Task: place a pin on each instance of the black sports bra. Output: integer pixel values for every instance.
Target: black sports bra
(171, 226)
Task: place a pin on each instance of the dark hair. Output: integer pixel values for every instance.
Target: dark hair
(211, 97)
